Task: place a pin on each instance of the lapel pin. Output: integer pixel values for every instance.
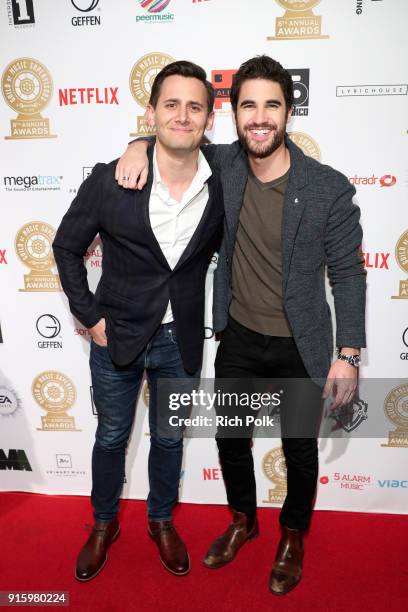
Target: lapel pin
(296, 200)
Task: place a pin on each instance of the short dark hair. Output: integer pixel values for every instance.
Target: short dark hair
(262, 67)
(184, 69)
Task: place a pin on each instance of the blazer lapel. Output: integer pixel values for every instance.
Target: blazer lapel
(234, 181)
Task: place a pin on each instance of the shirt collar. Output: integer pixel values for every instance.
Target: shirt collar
(202, 175)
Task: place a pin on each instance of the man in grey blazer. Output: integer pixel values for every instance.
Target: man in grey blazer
(287, 217)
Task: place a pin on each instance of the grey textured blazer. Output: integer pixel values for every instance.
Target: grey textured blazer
(320, 228)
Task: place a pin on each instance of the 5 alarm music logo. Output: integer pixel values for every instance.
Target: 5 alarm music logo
(141, 79)
(27, 88)
(299, 21)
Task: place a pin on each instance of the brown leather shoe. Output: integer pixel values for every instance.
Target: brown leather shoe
(172, 550)
(287, 568)
(94, 553)
(224, 549)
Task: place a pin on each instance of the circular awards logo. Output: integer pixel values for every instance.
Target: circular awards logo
(274, 467)
(34, 248)
(306, 143)
(27, 88)
(401, 252)
(154, 6)
(298, 5)
(141, 80)
(55, 393)
(396, 410)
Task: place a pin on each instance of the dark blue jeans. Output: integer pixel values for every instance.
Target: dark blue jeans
(115, 391)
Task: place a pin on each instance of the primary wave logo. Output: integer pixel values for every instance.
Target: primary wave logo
(154, 6)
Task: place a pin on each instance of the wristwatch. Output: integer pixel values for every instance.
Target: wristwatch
(353, 360)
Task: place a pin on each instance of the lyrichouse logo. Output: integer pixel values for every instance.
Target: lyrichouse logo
(343, 91)
(85, 7)
(27, 88)
(55, 393)
(155, 9)
(20, 13)
(299, 21)
(15, 460)
(141, 79)
(34, 248)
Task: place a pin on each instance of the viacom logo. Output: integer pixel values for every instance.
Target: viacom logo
(27, 88)
(155, 10)
(15, 460)
(393, 484)
(299, 21)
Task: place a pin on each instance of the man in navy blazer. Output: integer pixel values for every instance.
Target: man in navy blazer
(147, 314)
(287, 219)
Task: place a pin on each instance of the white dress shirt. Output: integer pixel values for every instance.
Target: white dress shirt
(174, 223)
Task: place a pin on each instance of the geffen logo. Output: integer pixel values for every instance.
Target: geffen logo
(34, 248)
(344, 91)
(10, 403)
(141, 79)
(27, 88)
(49, 327)
(221, 80)
(88, 95)
(401, 255)
(155, 9)
(299, 21)
(38, 182)
(21, 13)
(300, 78)
(386, 180)
(403, 356)
(15, 460)
(85, 6)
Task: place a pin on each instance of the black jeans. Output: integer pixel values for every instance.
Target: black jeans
(244, 354)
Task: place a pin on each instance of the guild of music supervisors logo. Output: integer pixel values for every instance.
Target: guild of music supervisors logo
(34, 248)
(141, 80)
(55, 393)
(401, 255)
(299, 21)
(396, 410)
(274, 467)
(27, 88)
(306, 143)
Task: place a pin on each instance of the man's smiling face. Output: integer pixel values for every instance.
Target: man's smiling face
(261, 117)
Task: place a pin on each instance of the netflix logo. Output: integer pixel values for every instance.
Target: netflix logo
(88, 95)
(212, 473)
(376, 260)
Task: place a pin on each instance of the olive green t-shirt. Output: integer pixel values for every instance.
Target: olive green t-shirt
(257, 261)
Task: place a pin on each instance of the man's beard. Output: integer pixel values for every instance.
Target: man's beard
(261, 149)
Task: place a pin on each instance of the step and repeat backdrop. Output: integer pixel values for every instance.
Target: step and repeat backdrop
(75, 80)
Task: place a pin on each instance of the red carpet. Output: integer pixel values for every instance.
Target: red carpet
(352, 562)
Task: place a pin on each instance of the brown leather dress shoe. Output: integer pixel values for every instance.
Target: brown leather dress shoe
(94, 553)
(224, 549)
(172, 550)
(287, 568)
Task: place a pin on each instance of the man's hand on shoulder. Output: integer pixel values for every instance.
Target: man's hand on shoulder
(132, 168)
(98, 333)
